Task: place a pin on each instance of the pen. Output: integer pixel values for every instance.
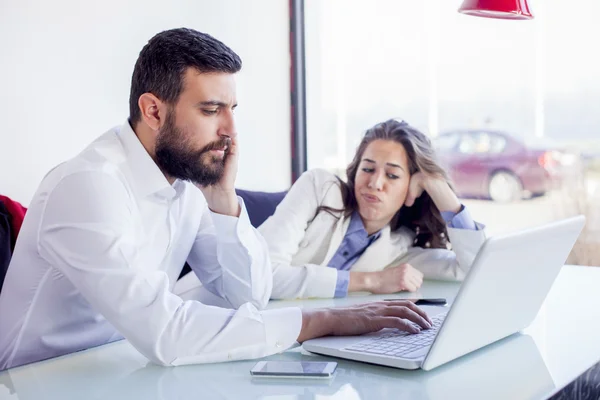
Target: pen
(424, 302)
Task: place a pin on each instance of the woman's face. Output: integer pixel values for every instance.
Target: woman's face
(381, 182)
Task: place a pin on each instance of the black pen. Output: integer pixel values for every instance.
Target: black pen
(424, 302)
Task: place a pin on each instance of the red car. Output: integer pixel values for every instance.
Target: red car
(494, 165)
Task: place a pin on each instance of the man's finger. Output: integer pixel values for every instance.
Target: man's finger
(396, 303)
(397, 323)
(412, 306)
(420, 311)
(417, 319)
(233, 145)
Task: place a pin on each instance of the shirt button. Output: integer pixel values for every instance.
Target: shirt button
(345, 254)
(278, 345)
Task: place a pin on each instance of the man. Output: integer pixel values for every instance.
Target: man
(108, 232)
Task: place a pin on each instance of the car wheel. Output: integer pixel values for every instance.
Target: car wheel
(505, 187)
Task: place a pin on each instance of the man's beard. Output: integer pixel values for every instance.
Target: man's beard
(175, 157)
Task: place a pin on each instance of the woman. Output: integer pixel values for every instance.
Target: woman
(382, 231)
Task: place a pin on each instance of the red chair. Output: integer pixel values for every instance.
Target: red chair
(16, 213)
(12, 214)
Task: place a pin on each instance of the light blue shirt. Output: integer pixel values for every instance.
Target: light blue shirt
(357, 240)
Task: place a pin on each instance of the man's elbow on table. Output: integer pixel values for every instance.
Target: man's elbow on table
(162, 352)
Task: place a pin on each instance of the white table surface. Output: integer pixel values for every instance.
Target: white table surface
(562, 342)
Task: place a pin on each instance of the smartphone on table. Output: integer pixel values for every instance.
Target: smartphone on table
(294, 369)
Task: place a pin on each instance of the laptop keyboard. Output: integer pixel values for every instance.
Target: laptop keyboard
(398, 343)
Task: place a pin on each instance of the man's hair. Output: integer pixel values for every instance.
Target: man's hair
(162, 63)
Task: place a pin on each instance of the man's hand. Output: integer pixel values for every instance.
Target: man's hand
(361, 319)
(221, 197)
(390, 280)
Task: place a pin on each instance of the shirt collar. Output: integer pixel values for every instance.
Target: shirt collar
(357, 227)
(147, 178)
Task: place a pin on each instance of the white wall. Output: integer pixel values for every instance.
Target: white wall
(65, 70)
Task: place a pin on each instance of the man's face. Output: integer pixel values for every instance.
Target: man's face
(193, 142)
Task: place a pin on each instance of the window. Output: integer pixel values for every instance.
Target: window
(441, 71)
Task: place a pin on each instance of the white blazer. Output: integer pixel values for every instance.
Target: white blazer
(301, 244)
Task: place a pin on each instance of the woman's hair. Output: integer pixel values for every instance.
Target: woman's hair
(423, 217)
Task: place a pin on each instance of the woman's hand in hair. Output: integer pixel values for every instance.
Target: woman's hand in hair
(438, 189)
(403, 277)
(416, 188)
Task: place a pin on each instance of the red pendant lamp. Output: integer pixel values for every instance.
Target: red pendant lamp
(502, 9)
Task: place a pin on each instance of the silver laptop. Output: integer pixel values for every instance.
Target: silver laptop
(502, 293)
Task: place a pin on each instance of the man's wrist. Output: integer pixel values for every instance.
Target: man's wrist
(225, 203)
(315, 323)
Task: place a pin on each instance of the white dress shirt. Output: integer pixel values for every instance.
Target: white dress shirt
(101, 247)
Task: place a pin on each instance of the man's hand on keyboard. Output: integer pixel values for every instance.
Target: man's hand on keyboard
(360, 319)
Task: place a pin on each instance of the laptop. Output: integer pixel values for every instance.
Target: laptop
(501, 295)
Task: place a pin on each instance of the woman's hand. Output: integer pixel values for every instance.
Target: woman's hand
(397, 279)
(438, 189)
(390, 280)
(415, 188)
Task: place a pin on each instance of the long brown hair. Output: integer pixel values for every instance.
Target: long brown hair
(423, 217)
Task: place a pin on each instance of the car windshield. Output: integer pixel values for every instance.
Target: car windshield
(481, 142)
(446, 142)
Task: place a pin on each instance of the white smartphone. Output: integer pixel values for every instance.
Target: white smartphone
(293, 369)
